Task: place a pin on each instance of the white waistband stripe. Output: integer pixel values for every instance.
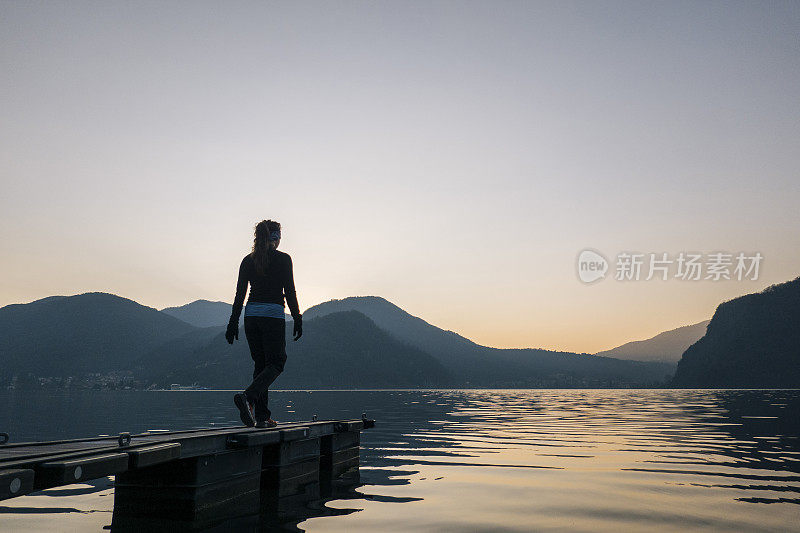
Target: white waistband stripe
(264, 309)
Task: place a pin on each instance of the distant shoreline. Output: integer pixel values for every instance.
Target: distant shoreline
(456, 389)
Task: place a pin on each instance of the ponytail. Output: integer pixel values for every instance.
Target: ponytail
(262, 251)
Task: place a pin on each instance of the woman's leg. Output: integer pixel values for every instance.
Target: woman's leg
(273, 346)
(275, 354)
(255, 340)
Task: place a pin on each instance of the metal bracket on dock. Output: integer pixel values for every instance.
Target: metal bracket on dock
(368, 423)
(4, 438)
(124, 439)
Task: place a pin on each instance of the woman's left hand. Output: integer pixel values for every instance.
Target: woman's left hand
(298, 328)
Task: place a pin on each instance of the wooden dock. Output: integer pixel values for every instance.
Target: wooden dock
(191, 479)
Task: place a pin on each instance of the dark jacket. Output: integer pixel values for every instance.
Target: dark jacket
(273, 286)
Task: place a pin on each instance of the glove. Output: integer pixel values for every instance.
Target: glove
(232, 332)
(298, 327)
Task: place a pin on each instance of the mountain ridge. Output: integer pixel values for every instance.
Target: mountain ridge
(752, 341)
(667, 346)
(205, 313)
(325, 357)
(56, 334)
(481, 365)
(155, 346)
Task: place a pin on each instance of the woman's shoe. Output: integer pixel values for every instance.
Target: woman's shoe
(266, 423)
(245, 409)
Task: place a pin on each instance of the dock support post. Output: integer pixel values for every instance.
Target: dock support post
(290, 471)
(196, 491)
(340, 450)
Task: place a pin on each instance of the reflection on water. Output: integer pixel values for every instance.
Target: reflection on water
(482, 460)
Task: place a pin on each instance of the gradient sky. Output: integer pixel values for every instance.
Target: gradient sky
(452, 157)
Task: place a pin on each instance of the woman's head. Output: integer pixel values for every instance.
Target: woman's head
(267, 238)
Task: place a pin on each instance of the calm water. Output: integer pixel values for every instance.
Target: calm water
(480, 460)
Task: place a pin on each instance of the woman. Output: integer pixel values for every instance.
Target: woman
(270, 275)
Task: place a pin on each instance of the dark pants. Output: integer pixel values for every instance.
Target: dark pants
(267, 339)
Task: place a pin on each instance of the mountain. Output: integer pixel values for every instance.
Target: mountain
(449, 347)
(338, 350)
(204, 313)
(475, 365)
(170, 357)
(666, 347)
(357, 342)
(752, 342)
(92, 332)
(201, 313)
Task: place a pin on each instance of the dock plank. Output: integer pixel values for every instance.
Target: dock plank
(15, 483)
(65, 472)
(154, 455)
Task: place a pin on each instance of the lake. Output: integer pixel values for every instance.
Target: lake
(478, 460)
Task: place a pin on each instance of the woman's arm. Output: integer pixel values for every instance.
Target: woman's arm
(241, 290)
(289, 290)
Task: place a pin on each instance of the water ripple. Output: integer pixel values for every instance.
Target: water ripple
(507, 460)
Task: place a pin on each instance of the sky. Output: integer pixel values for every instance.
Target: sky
(451, 157)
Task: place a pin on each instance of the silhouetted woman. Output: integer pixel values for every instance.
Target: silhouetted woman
(270, 275)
